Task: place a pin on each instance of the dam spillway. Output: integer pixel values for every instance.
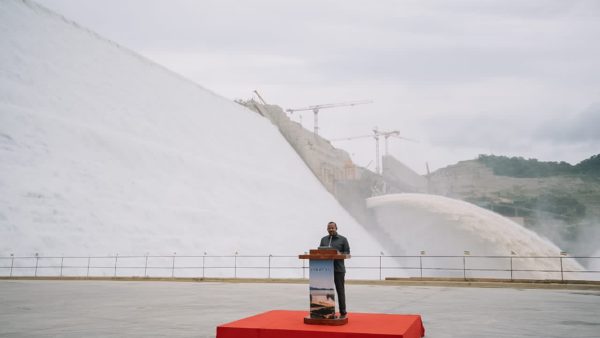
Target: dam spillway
(438, 225)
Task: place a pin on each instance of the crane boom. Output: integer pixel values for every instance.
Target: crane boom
(350, 138)
(260, 97)
(315, 109)
(376, 135)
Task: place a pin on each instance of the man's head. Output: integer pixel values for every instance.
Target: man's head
(332, 228)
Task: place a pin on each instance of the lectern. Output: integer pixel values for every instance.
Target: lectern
(322, 287)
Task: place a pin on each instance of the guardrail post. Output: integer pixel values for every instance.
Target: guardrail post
(423, 252)
(146, 266)
(379, 267)
(270, 265)
(36, 264)
(304, 266)
(116, 258)
(88, 267)
(173, 266)
(235, 265)
(465, 254)
(12, 263)
(203, 261)
(562, 279)
(511, 268)
(61, 266)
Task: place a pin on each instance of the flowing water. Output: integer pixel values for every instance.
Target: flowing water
(439, 225)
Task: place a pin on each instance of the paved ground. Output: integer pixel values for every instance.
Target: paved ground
(169, 309)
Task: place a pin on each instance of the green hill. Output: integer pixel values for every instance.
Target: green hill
(529, 168)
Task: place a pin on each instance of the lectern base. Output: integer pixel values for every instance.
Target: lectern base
(321, 321)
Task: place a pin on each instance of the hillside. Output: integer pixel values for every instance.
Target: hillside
(557, 200)
(529, 168)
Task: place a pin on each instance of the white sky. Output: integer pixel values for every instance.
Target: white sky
(515, 78)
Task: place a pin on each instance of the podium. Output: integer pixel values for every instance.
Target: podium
(322, 287)
(283, 323)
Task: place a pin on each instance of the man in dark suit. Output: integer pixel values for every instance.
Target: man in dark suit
(340, 243)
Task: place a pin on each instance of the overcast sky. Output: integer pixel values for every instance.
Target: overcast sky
(515, 78)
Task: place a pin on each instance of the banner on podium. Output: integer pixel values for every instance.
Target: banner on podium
(322, 289)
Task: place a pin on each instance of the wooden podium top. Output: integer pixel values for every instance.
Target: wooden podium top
(324, 254)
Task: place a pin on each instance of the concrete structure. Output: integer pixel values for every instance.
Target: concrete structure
(329, 164)
(350, 184)
(167, 309)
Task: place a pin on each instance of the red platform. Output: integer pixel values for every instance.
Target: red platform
(289, 324)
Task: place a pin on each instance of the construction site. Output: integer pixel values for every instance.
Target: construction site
(350, 184)
(353, 185)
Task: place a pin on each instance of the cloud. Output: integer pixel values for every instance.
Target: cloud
(583, 127)
(384, 41)
(570, 138)
(483, 131)
(462, 76)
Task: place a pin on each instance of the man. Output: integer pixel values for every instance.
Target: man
(339, 242)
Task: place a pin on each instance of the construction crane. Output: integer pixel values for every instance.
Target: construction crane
(377, 134)
(315, 109)
(259, 97)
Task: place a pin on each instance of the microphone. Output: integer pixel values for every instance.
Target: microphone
(330, 237)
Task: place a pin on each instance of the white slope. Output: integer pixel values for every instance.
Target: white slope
(104, 152)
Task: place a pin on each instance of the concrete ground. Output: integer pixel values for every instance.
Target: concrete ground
(181, 309)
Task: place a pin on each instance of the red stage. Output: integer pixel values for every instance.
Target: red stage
(289, 324)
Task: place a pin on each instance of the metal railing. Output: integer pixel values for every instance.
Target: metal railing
(289, 266)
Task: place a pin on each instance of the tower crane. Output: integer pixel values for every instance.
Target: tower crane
(260, 97)
(315, 109)
(377, 134)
